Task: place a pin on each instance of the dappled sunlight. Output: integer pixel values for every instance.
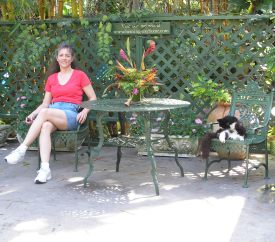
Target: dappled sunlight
(190, 216)
(7, 192)
(217, 173)
(169, 187)
(175, 174)
(75, 179)
(32, 225)
(204, 219)
(135, 198)
(193, 176)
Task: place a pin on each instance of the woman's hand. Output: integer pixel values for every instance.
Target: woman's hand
(29, 119)
(81, 117)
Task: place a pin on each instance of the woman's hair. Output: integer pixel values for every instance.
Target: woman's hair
(54, 66)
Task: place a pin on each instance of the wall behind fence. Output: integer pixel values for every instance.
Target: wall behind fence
(225, 49)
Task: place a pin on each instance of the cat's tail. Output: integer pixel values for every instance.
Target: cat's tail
(205, 144)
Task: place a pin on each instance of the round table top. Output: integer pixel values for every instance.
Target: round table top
(147, 104)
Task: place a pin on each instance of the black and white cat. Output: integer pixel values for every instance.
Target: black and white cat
(229, 128)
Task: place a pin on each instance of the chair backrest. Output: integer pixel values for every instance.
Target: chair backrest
(252, 105)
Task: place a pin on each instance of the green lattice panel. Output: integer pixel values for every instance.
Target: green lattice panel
(225, 50)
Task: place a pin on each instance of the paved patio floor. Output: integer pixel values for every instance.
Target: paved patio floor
(123, 206)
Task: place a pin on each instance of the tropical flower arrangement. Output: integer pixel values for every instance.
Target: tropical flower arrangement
(135, 81)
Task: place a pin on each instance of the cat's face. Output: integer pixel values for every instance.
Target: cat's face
(227, 121)
(233, 126)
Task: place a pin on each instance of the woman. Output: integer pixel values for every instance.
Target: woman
(59, 109)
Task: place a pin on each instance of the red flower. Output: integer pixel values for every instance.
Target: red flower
(151, 48)
(118, 77)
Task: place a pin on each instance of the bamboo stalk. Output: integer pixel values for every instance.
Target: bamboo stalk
(74, 9)
(80, 8)
(42, 9)
(201, 3)
(60, 8)
(4, 11)
(51, 8)
(215, 6)
(10, 10)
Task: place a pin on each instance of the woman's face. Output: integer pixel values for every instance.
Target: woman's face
(64, 58)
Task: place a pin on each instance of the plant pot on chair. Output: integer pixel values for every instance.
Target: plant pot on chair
(221, 110)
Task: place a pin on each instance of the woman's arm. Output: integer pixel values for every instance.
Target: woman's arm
(89, 91)
(46, 102)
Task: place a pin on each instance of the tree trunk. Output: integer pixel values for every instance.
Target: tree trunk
(169, 7)
(224, 5)
(133, 5)
(42, 8)
(74, 9)
(215, 6)
(10, 9)
(204, 6)
(80, 7)
(60, 8)
(136, 4)
(189, 7)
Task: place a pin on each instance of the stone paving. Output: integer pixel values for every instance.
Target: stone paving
(123, 206)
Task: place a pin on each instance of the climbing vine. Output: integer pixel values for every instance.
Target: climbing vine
(104, 39)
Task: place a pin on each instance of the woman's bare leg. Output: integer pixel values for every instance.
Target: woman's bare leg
(45, 141)
(55, 116)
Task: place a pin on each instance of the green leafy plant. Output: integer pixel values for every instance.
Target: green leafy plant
(136, 125)
(187, 124)
(104, 39)
(209, 91)
(28, 99)
(180, 124)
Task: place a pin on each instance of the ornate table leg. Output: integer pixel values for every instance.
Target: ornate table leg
(147, 130)
(93, 153)
(166, 136)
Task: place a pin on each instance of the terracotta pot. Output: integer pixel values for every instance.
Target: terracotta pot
(222, 109)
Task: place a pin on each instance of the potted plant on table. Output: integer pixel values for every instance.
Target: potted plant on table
(135, 80)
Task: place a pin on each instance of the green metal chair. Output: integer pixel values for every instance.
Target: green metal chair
(252, 105)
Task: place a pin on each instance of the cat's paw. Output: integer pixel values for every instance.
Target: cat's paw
(222, 138)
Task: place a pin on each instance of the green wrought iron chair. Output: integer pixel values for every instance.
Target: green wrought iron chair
(252, 105)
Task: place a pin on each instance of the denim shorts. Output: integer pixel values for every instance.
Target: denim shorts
(71, 111)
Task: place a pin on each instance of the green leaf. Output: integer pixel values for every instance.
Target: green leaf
(128, 47)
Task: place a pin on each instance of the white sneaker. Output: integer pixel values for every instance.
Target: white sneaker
(15, 156)
(43, 176)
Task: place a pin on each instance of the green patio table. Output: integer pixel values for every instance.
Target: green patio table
(145, 108)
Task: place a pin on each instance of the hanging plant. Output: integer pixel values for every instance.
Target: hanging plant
(104, 40)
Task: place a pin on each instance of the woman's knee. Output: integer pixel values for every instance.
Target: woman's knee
(44, 112)
(47, 127)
